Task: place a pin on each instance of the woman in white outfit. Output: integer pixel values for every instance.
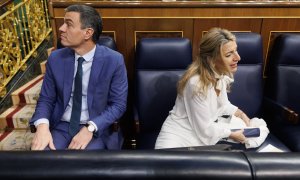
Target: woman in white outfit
(202, 96)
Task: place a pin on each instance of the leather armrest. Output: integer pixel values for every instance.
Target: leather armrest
(115, 126)
(136, 127)
(136, 120)
(286, 113)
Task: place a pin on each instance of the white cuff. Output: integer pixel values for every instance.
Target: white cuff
(92, 123)
(226, 133)
(41, 121)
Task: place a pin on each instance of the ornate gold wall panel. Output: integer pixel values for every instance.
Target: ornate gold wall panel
(22, 29)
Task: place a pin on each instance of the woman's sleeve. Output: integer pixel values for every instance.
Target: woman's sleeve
(229, 109)
(199, 114)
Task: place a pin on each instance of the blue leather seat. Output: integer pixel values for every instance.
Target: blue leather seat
(282, 89)
(103, 40)
(159, 64)
(247, 89)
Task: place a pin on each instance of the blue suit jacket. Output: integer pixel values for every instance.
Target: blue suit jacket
(106, 96)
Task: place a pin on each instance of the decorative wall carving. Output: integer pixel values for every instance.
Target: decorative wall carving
(22, 29)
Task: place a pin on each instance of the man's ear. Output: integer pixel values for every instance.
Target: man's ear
(89, 33)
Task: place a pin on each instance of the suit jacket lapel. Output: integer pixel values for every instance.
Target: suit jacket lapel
(68, 77)
(95, 71)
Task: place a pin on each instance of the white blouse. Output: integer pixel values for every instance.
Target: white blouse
(192, 121)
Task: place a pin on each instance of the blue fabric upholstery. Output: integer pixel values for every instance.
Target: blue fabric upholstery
(247, 89)
(282, 87)
(159, 64)
(103, 40)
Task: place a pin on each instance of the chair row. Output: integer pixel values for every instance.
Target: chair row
(160, 63)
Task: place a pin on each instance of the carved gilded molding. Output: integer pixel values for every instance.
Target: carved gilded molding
(22, 29)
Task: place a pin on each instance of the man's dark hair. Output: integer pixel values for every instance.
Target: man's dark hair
(89, 18)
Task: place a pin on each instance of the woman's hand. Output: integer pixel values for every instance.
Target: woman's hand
(239, 113)
(238, 136)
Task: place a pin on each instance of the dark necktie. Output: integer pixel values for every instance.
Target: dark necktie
(77, 100)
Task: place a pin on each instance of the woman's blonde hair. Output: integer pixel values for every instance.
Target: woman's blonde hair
(205, 63)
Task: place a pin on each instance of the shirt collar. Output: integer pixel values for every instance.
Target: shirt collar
(222, 81)
(88, 56)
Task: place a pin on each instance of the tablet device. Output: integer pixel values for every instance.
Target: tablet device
(250, 132)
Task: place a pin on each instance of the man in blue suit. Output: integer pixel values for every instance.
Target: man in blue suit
(84, 89)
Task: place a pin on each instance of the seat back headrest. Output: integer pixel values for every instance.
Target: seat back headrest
(285, 50)
(249, 47)
(108, 42)
(163, 53)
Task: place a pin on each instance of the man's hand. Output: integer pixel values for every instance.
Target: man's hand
(42, 138)
(238, 136)
(81, 139)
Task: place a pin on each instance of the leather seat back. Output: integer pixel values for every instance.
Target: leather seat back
(159, 64)
(282, 89)
(283, 82)
(247, 89)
